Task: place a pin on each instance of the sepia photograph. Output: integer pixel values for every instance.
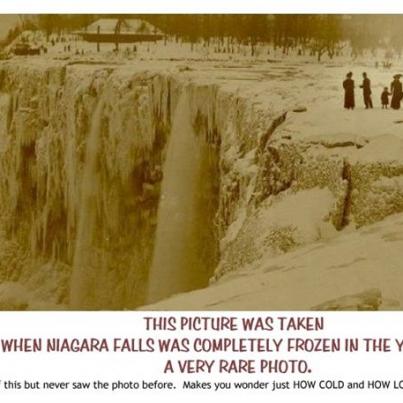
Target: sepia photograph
(204, 162)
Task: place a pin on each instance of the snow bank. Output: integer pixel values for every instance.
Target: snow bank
(356, 271)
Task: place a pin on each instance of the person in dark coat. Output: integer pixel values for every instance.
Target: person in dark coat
(366, 89)
(385, 98)
(397, 92)
(348, 85)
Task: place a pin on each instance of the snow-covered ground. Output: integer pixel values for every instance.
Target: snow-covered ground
(356, 270)
(309, 203)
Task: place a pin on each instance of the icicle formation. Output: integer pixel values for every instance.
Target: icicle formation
(84, 274)
(79, 181)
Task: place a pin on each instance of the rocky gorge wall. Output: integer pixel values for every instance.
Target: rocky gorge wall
(85, 150)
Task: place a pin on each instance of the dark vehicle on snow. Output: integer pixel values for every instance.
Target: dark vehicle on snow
(24, 49)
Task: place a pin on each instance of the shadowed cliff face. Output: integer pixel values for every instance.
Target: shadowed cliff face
(119, 187)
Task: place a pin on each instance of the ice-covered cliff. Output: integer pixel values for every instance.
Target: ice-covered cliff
(121, 185)
(82, 155)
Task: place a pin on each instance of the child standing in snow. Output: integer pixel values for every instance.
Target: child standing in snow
(385, 98)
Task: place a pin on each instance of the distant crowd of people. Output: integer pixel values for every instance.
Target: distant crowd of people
(396, 92)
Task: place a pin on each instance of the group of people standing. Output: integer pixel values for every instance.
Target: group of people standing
(396, 91)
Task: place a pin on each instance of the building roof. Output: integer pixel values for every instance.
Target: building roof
(129, 26)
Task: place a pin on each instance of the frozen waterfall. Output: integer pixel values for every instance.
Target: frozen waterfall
(83, 276)
(180, 262)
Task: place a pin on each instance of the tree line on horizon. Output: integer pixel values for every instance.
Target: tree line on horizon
(318, 34)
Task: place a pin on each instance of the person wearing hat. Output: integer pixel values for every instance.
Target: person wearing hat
(366, 88)
(397, 91)
(348, 85)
